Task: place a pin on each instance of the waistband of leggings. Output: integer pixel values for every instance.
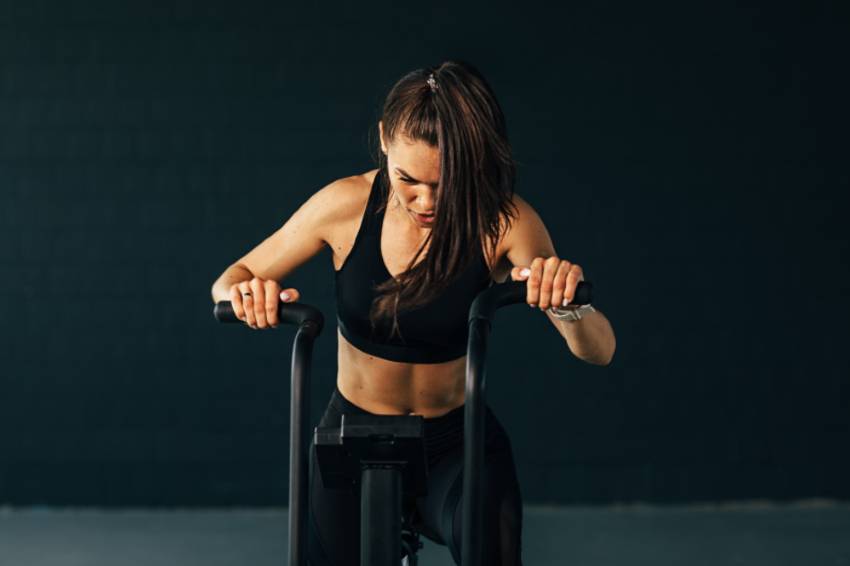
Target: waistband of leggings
(345, 406)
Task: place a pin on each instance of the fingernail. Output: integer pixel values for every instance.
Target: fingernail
(566, 302)
(524, 272)
(284, 296)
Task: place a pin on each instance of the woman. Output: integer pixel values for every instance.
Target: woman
(413, 242)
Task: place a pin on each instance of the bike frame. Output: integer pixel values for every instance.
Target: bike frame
(310, 323)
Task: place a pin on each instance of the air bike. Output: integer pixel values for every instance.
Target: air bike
(384, 455)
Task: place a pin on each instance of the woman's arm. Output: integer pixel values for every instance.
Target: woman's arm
(528, 244)
(590, 339)
(299, 239)
(236, 273)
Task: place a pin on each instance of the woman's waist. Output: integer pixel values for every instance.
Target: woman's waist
(394, 394)
(441, 434)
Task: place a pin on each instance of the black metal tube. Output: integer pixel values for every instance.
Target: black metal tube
(480, 322)
(299, 422)
(473, 449)
(310, 322)
(380, 516)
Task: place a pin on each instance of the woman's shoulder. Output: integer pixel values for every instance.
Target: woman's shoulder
(509, 226)
(346, 195)
(346, 199)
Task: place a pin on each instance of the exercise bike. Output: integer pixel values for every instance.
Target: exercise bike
(384, 455)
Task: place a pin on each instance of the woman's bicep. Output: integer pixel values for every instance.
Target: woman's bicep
(528, 237)
(300, 238)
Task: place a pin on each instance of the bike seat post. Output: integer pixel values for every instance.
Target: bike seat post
(383, 456)
(380, 515)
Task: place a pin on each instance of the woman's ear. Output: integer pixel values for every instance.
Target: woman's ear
(381, 133)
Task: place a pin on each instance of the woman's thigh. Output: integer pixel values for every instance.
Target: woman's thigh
(442, 508)
(334, 522)
(333, 514)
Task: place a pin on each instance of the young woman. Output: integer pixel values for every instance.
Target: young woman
(414, 241)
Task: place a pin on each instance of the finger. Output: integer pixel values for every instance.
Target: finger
(533, 281)
(550, 269)
(272, 293)
(259, 302)
(575, 275)
(248, 303)
(559, 285)
(518, 273)
(236, 301)
(292, 295)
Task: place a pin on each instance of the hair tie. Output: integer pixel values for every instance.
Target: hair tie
(432, 83)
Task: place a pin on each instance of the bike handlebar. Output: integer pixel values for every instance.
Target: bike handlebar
(499, 295)
(512, 292)
(310, 322)
(289, 313)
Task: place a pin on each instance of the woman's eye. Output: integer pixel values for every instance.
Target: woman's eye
(408, 181)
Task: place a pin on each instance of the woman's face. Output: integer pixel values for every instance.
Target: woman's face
(414, 169)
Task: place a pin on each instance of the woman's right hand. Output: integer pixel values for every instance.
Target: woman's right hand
(256, 301)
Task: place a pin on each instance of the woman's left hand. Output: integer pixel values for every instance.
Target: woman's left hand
(551, 281)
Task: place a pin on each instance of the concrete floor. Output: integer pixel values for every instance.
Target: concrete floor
(810, 533)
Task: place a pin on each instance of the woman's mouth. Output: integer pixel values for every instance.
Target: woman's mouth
(424, 218)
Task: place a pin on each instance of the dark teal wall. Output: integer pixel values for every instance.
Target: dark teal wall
(691, 159)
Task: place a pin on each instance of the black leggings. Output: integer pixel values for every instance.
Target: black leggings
(334, 514)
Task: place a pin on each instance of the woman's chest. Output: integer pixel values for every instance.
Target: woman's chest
(394, 251)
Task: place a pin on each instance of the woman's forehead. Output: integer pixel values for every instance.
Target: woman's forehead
(418, 161)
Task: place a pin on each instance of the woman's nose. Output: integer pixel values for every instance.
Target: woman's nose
(426, 203)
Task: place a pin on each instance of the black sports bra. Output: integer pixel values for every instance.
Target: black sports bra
(432, 333)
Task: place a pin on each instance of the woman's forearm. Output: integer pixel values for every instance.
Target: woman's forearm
(590, 339)
(236, 273)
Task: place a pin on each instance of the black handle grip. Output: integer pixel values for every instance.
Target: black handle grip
(289, 313)
(512, 292)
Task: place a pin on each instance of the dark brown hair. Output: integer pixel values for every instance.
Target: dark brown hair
(463, 119)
